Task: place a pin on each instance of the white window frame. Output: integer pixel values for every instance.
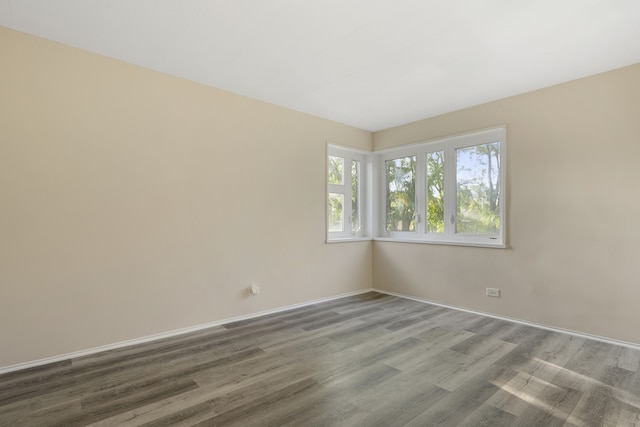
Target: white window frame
(365, 196)
(449, 145)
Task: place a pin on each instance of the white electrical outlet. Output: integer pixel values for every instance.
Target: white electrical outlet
(493, 292)
(254, 290)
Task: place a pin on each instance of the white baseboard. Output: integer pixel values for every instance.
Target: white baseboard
(154, 337)
(613, 341)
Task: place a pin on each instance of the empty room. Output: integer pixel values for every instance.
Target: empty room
(305, 213)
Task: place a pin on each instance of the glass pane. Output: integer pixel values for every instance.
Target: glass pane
(401, 194)
(335, 212)
(355, 196)
(478, 185)
(336, 168)
(435, 192)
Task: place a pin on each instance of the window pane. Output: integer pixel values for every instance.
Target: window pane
(401, 194)
(335, 212)
(435, 192)
(478, 189)
(336, 168)
(355, 196)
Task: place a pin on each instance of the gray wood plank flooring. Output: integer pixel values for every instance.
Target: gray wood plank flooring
(365, 360)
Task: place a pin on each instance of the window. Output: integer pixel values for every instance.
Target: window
(347, 172)
(400, 193)
(451, 190)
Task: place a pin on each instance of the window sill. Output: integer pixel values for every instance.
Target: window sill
(349, 239)
(441, 242)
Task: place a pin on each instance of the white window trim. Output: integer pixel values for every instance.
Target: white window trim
(366, 195)
(448, 145)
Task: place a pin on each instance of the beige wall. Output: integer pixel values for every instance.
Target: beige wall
(134, 203)
(573, 212)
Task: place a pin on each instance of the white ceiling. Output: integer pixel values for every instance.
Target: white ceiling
(372, 64)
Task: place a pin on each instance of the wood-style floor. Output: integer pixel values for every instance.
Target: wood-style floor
(366, 360)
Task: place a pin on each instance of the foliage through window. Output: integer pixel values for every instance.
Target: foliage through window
(478, 184)
(445, 191)
(401, 190)
(435, 192)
